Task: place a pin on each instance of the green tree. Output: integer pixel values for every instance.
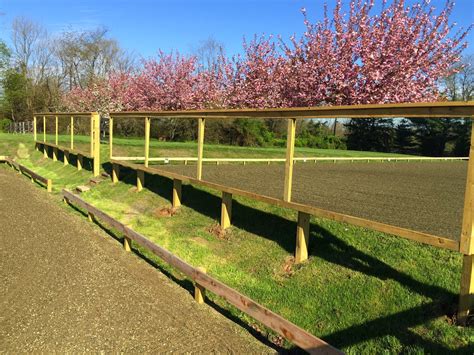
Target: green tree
(370, 134)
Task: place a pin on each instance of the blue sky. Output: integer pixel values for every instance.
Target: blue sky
(144, 26)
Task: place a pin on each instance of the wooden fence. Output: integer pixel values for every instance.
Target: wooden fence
(94, 152)
(203, 281)
(48, 183)
(292, 115)
(22, 127)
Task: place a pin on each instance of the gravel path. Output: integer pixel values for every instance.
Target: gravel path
(68, 287)
(426, 196)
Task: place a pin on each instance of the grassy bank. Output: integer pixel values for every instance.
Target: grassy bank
(362, 291)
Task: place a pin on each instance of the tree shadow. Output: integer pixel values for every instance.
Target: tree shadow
(327, 246)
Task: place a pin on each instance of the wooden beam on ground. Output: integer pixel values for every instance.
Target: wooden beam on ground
(177, 191)
(302, 237)
(140, 180)
(285, 328)
(226, 210)
(201, 126)
(290, 152)
(147, 140)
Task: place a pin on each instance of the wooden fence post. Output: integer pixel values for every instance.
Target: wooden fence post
(127, 244)
(66, 157)
(290, 149)
(79, 162)
(49, 185)
(226, 210)
(140, 180)
(91, 129)
(56, 130)
(96, 134)
(111, 137)
(199, 291)
(466, 295)
(34, 131)
(44, 129)
(147, 140)
(72, 132)
(55, 153)
(177, 187)
(201, 126)
(115, 173)
(302, 237)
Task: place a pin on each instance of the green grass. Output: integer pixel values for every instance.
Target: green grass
(360, 290)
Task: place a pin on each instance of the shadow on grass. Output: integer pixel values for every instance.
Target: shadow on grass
(327, 246)
(186, 284)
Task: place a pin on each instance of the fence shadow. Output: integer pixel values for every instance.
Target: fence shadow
(325, 245)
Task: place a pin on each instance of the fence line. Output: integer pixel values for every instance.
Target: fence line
(291, 115)
(285, 328)
(22, 127)
(94, 153)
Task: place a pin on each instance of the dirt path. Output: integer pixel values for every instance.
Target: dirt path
(68, 287)
(426, 196)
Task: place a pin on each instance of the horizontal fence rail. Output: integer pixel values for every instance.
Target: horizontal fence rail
(295, 159)
(421, 237)
(33, 176)
(285, 328)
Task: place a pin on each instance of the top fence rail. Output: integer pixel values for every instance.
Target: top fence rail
(424, 109)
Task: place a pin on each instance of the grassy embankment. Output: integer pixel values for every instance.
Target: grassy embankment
(361, 291)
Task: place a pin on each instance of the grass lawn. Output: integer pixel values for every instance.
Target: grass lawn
(361, 291)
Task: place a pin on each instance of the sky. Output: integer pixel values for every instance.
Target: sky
(144, 26)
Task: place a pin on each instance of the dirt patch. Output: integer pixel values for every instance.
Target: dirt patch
(217, 231)
(165, 211)
(424, 196)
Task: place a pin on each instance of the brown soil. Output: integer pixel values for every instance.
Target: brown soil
(424, 196)
(69, 287)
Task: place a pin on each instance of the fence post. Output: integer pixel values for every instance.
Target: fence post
(56, 130)
(111, 137)
(226, 210)
(34, 131)
(72, 132)
(79, 162)
(92, 134)
(302, 237)
(96, 134)
(66, 157)
(140, 180)
(127, 244)
(201, 126)
(147, 140)
(199, 291)
(466, 295)
(45, 148)
(290, 149)
(115, 173)
(177, 188)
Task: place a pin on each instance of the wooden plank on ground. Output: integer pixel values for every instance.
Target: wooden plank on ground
(270, 319)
